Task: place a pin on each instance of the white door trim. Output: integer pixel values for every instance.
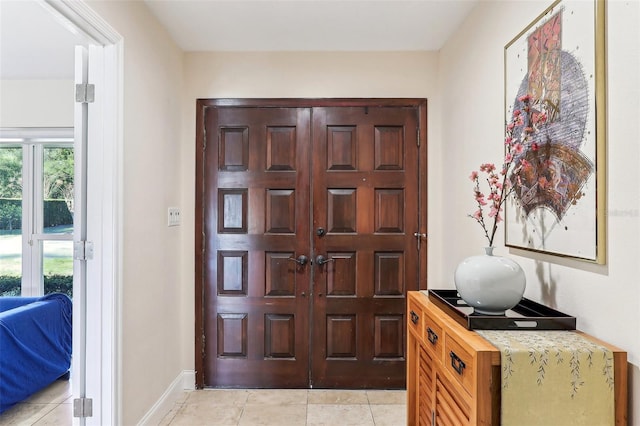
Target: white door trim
(104, 212)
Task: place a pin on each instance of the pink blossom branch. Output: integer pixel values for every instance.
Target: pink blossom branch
(500, 188)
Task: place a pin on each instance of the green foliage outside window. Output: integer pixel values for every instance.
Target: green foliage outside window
(56, 212)
(11, 173)
(58, 208)
(10, 285)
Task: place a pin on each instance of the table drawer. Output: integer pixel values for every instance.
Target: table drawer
(414, 320)
(433, 335)
(459, 363)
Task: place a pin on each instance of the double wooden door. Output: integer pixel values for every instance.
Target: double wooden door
(308, 222)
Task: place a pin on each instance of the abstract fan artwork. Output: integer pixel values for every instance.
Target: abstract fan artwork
(553, 208)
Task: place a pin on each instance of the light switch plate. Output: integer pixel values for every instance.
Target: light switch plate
(173, 218)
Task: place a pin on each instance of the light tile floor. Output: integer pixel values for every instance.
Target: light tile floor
(51, 406)
(238, 407)
(290, 407)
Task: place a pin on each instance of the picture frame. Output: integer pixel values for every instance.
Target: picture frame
(558, 201)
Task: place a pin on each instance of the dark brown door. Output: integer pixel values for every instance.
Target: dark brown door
(279, 183)
(365, 198)
(256, 225)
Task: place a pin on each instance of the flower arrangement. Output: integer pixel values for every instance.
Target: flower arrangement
(524, 123)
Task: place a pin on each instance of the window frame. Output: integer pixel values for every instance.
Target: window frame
(33, 142)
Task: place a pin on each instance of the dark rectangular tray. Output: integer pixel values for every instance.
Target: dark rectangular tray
(527, 315)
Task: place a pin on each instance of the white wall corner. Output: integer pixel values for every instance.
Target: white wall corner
(174, 395)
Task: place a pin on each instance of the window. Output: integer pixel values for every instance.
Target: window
(36, 211)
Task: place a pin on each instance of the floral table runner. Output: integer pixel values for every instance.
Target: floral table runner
(553, 378)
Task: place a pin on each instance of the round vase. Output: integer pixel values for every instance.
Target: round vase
(490, 284)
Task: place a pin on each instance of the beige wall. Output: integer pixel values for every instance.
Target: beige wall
(604, 299)
(152, 285)
(311, 75)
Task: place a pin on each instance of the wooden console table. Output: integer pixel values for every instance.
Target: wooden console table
(454, 374)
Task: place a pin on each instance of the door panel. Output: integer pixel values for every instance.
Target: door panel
(256, 209)
(280, 183)
(365, 177)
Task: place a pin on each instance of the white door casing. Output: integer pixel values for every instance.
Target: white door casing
(99, 123)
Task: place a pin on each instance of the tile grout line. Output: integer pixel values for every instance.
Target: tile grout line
(40, 414)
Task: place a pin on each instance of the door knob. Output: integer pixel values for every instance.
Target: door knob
(321, 260)
(301, 260)
(320, 232)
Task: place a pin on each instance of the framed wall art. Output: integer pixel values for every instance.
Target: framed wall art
(557, 64)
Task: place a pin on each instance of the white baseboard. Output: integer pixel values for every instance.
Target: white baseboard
(186, 380)
(189, 380)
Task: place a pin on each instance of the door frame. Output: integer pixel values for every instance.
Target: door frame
(203, 104)
(100, 316)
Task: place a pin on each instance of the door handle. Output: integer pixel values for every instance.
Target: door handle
(321, 260)
(301, 260)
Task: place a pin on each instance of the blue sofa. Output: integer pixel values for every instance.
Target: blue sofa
(35, 344)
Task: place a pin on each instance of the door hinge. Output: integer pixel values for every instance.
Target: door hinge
(418, 137)
(85, 93)
(83, 250)
(82, 407)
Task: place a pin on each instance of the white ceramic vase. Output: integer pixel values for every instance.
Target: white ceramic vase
(490, 284)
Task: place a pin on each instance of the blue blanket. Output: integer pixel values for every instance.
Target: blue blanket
(7, 303)
(35, 344)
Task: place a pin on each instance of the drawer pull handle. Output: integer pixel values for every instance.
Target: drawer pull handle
(457, 363)
(432, 336)
(414, 317)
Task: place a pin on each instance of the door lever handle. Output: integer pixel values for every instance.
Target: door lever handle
(321, 260)
(301, 260)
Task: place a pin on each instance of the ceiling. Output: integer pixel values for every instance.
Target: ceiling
(310, 25)
(35, 44)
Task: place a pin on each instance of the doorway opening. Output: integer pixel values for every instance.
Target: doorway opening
(96, 320)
